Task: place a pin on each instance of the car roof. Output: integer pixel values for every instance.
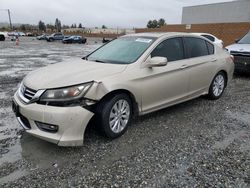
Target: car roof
(159, 34)
(203, 34)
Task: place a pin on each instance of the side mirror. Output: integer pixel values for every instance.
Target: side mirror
(157, 62)
(237, 40)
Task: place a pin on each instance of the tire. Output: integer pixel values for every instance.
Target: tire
(114, 123)
(51, 40)
(217, 86)
(2, 38)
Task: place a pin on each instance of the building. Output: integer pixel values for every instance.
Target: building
(227, 12)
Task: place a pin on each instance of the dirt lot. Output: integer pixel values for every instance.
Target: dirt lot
(200, 143)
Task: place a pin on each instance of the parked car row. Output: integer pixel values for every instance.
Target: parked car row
(20, 34)
(65, 39)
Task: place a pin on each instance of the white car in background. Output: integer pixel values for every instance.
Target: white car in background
(3, 36)
(4, 33)
(212, 38)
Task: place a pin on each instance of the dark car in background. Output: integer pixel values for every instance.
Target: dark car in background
(41, 37)
(55, 36)
(241, 52)
(74, 39)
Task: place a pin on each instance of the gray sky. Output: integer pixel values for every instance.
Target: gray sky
(91, 13)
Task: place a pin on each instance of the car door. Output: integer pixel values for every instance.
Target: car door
(200, 63)
(76, 39)
(166, 85)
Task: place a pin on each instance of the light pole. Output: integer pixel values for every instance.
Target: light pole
(10, 19)
(8, 10)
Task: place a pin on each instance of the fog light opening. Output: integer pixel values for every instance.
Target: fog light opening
(47, 127)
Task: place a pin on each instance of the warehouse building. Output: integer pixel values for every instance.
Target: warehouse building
(226, 12)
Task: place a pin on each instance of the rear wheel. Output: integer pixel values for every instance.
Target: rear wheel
(2, 38)
(114, 115)
(217, 86)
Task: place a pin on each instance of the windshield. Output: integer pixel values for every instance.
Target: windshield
(245, 39)
(124, 50)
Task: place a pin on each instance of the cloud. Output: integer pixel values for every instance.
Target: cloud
(91, 13)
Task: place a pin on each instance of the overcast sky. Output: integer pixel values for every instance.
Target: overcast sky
(91, 13)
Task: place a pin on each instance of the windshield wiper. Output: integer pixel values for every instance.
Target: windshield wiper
(99, 61)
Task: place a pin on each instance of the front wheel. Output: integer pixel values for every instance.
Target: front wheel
(217, 86)
(115, 115)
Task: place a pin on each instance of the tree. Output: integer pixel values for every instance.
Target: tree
(58, 25)
(104, 27)
(22, 27)
(161, 22)
(50, 26)
(149, 25)
(80, 25)
(65, 27)
(73, 26)
(152, 24)
(155, 23)
(41, 26)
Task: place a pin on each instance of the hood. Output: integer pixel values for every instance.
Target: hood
(239, 47)
(69, 73)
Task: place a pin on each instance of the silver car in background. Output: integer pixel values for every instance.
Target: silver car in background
(241, 52)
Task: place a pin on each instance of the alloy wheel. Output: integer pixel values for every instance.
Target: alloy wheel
(119, 116)
(218, 85)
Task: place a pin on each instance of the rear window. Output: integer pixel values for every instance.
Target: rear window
(195, 47)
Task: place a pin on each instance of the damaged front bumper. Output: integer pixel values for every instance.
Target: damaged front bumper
(68, 123)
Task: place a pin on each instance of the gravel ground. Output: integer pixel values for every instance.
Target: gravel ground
(200, 143)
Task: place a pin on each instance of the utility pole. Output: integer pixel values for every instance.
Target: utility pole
(10, 19)
(8, 10)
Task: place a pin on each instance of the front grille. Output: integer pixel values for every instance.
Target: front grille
(242, 59)
(242, 63)
(26, 94)
(29, 93)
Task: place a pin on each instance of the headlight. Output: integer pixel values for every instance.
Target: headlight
(66, 94)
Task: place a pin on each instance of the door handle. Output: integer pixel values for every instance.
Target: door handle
(213, 60)
(184, 66)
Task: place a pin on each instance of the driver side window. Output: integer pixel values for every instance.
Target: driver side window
(172, 49)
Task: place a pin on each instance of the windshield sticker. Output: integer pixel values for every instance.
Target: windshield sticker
(143, 40)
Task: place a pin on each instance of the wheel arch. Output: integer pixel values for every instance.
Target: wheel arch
(225, 73)
(135, 105)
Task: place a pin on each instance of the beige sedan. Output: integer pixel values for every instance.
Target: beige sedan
(132, 75)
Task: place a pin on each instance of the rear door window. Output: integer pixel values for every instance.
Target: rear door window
(195, 47)
(210, 48)
(172, 49)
